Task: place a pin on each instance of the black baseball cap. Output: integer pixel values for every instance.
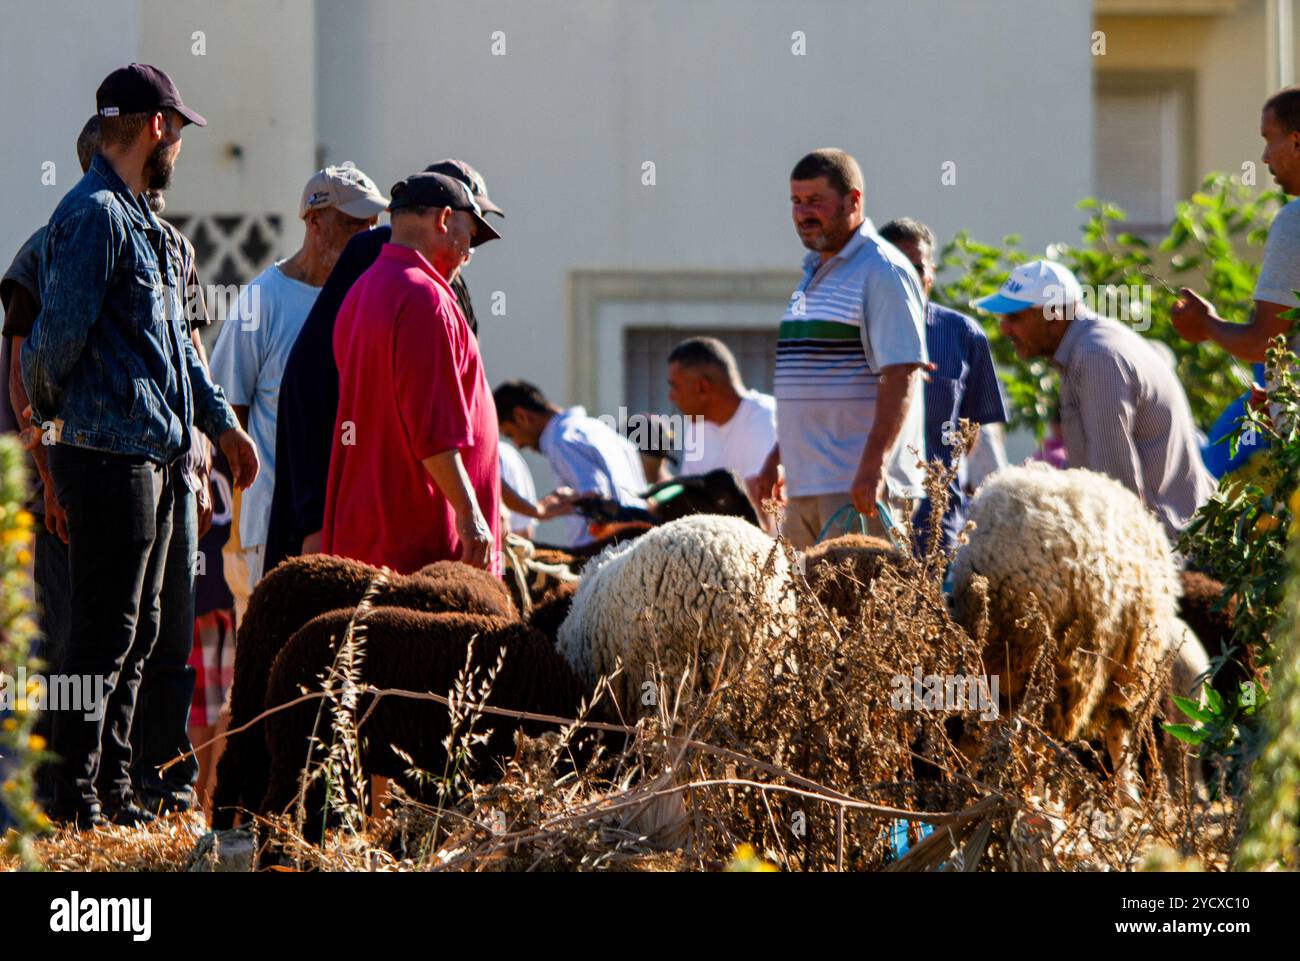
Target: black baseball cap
(439, 190)
(470, 178)
(140, 88)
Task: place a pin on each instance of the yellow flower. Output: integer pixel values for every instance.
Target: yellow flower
(25, 519)
(746, 859)
(15, 536)
(24, 557)
(9, 724)
(8, 785)
(36, 743)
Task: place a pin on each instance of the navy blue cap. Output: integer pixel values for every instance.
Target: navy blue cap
(140, 88)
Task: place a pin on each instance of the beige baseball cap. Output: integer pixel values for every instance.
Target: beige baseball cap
(344, 187)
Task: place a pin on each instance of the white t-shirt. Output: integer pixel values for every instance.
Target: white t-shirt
(515, 472)
(1279, 274)
(248, 362)
(741, 444)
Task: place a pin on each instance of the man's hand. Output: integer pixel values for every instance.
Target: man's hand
(475, 536)
(311, 543)
(868, 488)
(203, 501)
(56, 518)
(241, 454)
(553, 505)
(33, 435)
(1192, 315)
(768, 483)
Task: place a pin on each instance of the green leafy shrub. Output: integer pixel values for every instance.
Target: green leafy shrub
(1202, 250)
(1241, 535)
(21, 749)
(1272, 836)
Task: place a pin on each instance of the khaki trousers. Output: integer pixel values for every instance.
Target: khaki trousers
(807, 517)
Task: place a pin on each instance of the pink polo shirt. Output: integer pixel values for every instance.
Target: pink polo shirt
(411, 385)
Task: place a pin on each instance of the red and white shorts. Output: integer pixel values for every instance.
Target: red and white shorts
(213, 660)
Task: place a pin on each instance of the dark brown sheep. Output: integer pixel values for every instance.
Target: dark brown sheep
(1214, 629)
(287, 598)
(549, 613)
(840, 570)
(463, 573)
(412, 651)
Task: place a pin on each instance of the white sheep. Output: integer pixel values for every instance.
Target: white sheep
(1103, 574)
(695, 587)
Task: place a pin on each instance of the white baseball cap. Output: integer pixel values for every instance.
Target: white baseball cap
(346, 188)
(1035, 284)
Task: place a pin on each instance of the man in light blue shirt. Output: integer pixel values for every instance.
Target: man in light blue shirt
(586, 455)
(255, 341)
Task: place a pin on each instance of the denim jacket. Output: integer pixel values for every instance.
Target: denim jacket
(109, 361)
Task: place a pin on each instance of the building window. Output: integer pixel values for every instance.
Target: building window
(624, 323)
(1141, 148)
(645, 361)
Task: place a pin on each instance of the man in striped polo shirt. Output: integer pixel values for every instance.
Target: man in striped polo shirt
(850, 418)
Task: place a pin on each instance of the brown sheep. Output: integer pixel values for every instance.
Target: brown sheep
(841, 570)
(413, 651)
(1201, 593)
(287, 598)
(549, 613)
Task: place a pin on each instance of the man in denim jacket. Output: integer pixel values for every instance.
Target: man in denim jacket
(114, 383)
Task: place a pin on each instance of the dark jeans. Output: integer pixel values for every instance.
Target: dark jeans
(119, 525)
(160, 731)
(53, 599)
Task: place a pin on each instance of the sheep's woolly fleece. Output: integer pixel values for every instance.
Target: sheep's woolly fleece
(413, 651)
(1098, 564)
(697, 586)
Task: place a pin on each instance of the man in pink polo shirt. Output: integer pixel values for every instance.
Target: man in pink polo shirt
(414, 475)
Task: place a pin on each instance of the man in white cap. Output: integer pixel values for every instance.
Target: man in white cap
(249, 357)
(1123, 411)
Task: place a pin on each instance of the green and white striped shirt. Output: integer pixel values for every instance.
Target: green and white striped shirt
(852, 316)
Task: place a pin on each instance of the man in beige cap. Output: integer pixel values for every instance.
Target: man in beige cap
(249, 357)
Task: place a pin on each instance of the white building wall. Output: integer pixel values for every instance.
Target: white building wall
(255, 85)
(254, 82)
(589, 90)
(710, 92)
(53, 55)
